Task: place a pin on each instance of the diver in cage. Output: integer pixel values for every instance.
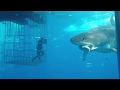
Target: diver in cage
(39, 48)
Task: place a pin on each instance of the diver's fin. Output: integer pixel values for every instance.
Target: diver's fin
(34, 58)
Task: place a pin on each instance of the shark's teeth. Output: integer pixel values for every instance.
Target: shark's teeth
(86, 47)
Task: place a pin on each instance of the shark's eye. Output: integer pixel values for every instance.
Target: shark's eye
(83, 39)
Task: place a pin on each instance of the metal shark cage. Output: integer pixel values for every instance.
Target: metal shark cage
(20, 42)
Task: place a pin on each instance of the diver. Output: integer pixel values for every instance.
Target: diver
(39, 48)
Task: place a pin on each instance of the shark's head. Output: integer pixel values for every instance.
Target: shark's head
(86, 41)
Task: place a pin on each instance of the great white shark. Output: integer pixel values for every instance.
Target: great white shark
(100, 39)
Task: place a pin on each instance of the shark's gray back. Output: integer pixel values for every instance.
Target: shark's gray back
(107, 30)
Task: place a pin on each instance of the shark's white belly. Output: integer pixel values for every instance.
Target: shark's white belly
(103, 49)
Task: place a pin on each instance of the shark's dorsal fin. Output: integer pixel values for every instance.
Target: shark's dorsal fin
(112, 21)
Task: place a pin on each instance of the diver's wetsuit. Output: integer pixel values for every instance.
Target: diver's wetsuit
(39, 48)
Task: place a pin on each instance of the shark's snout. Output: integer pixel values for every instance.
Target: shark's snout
(74, 41)
(82, 45)
(71, 40)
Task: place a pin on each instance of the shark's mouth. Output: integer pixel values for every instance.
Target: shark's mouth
(86, 45)
(86, 48)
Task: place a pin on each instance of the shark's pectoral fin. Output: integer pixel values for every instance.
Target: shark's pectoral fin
(113, 50)
(112, 46)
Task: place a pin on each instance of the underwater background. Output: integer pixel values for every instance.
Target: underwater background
(63, 58)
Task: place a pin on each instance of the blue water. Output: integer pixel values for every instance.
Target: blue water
(64, 59)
